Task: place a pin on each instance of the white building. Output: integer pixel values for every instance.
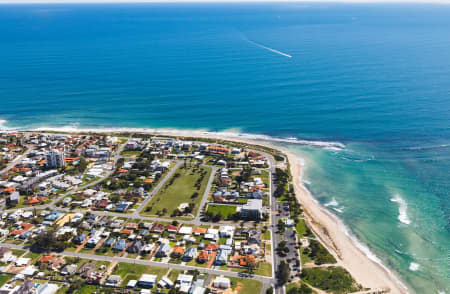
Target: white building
(221, 282)
(55, 159)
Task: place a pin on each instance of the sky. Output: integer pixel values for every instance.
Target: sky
(149, 1)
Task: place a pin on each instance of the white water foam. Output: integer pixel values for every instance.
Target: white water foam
(333, 202)
(2, 125)
(414, 266)
(402, 209)
(228, 134)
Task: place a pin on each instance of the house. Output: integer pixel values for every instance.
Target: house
(147, 281)
(221, 283)
(177, 252)
(226, 231)
(184, 230)
(120, 245)
(199, 231)
(172, 229)
(113, 280)
(131, 226)
(122, 206)
(163, 250)
(185, 282)
(132, 284)
(253, 236)
(136, 247)
(13, 198)
(252, 209)
(221, 257)
(54, 215)
(203, 256)
(190, 254)
(86, 269)
(79, 239)
(157, 228)
(165, 282)
(5, 254)
(109, 242)
(212, 234)
(47, 288)
(69, 270)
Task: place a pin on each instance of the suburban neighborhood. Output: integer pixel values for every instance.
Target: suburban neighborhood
(136, 213)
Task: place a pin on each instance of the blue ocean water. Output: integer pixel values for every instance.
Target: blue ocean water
(375, 77)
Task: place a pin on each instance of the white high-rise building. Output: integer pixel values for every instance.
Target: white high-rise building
(55, 158)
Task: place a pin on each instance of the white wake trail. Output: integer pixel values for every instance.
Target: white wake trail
(270, 49)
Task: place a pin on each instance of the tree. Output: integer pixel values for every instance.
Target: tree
(284, 272)
(48, 241)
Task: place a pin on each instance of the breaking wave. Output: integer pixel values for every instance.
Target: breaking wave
(402, 209)
(333, 202)
(414, 266)
(229, 134)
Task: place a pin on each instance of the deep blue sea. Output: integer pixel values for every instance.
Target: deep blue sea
(375, 77)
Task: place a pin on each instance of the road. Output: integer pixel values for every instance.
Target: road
(274, 206)
(155, 190)
(197, 221)
(262, 279)
(15, 161)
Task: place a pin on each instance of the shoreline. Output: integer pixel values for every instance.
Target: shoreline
(367, 269)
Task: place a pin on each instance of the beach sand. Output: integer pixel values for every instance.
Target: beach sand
(329, 229)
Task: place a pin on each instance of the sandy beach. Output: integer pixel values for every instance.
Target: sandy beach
(329, 229)
(367, 271)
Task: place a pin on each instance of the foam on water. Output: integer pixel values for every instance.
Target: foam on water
(402, 209)
(414, 266)
(333, 202)
(231, 134)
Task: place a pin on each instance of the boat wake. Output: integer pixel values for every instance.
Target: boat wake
(268, 48)
(402, 209)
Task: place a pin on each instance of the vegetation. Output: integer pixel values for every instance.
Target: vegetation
(216, 213)
(318, 253)
(47, 241)
(331, 279)
(283, 273)
(299, 289)
(181, 188)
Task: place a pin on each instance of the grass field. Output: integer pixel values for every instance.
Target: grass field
(264, 269)
(130, 271)
(225, 210)
(301, 228)
(245, 286)
(180, 191)
(4, 278)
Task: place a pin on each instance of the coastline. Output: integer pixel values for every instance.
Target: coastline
(367, 270)
(364, 266)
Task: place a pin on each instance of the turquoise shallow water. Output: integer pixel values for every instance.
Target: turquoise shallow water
(375, 77)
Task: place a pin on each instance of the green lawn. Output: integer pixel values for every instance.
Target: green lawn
(264, 269)
(130, 271)
(225, 210)
(4, 278)
(247, 286)
(301, 228)
(87, 289)
(180, 190)
(130, 153)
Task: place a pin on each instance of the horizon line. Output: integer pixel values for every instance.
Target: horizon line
(26, 2)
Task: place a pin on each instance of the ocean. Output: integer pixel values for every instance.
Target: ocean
(374, 78)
